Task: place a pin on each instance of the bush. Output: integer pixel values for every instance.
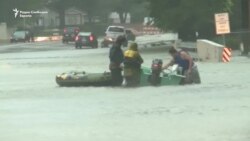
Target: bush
(232, 42)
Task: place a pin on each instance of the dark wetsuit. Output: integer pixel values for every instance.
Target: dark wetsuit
(116, 59)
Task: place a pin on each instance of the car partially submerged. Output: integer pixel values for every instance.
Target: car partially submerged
(21, 36)
(86, 39)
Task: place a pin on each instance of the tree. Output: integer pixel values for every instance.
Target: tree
(124, 7)
(61, 6)
(139, 11)
(102, 8)
(188, 16)
(246, 24)
(245, 13)
(91, 7)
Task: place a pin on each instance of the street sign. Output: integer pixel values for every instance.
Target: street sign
(222, 23)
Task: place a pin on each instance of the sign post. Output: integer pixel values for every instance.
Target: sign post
(222, 25)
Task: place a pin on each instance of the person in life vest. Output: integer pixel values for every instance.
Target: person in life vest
(116, 58)
(187, 65)
(132, 66)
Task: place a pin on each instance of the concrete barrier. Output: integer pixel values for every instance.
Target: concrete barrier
(3, 31)
(209, 51)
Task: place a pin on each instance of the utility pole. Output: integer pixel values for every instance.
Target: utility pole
(245, 4)
(248, 14)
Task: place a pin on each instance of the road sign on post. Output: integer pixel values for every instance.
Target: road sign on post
(222, 23)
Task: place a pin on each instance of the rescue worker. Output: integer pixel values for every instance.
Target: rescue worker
(116, 59)
(132, 65)
(186, 63)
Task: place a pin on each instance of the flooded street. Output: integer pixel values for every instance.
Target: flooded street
(34, 107)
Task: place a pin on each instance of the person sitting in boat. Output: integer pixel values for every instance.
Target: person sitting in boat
(116, 59)
(132, 65)
(186, 63)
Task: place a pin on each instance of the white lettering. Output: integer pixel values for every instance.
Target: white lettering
(24, 12)
(25, 16)
(39, 12)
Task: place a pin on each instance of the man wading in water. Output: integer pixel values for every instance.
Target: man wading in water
(185, 61)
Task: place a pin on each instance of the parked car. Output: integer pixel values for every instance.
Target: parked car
(130, 35)
(112, 33)
(21, 36)
(69, 34)
(87, 39)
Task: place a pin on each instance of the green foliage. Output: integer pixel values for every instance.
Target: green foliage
(236, 16)
(139, 12)
(93, 8)
(123, 7)
(232, 41)
(184, 16)
(188, 16)
(6, 7)
(101, 8)
(60, 6)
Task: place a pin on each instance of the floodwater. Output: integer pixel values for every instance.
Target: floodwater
(34, 108)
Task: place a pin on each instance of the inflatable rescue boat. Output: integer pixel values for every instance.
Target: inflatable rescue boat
(76, 79)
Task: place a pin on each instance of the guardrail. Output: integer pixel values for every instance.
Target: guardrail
(158, 40)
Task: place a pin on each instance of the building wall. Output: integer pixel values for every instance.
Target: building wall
(49, 20)
(72, 17)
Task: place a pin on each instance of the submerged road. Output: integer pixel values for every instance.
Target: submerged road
(34, 108)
